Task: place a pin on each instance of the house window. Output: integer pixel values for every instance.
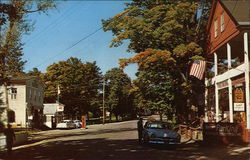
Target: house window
(222, 22)
(216, 28)
(13, 93)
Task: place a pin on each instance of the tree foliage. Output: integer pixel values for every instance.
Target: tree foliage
(79, 85)
(166, 37)
(118, 86)
(13, 24)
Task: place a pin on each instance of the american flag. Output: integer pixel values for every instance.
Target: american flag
(198, 69)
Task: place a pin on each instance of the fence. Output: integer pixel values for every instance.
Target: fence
(190, 132)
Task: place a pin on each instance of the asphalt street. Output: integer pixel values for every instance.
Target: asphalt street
(116, 141)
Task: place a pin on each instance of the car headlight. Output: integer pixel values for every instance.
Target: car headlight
(165, 135)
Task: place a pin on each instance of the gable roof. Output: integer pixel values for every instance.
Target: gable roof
(22, 79)
(239, 9)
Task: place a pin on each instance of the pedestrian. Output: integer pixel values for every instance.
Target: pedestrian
(10, 137)
(140, 128)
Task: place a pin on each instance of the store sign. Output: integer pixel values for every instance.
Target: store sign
(239, 107)
(60, 108)
(238, 95)
(223, 84)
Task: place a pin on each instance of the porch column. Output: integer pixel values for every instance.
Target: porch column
(216, 88)
(246, 59)
(230, 89)
(206, 100)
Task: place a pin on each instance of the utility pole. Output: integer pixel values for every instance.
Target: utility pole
(6, 101)
(103, 102)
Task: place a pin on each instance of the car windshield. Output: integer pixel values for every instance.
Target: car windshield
(156, 125)
(67, 121)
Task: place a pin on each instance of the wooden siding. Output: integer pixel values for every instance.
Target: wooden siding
(223, 37)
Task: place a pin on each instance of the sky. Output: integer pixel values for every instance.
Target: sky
(72, 21)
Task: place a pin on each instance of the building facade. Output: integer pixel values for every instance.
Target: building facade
(227, 88)
(25, 99)
(53, 113)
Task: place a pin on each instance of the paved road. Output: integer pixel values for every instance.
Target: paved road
(116, 141)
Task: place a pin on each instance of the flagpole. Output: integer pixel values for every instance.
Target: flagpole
(58, 92)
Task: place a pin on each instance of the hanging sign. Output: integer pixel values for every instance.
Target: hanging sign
(60, 108)
(238, 95)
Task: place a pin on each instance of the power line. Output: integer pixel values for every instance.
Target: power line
(54, 23)
(73, 45)
(84, 38)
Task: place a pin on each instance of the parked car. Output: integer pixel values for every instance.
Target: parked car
(68, 124)
(78, 123)
(157, 132)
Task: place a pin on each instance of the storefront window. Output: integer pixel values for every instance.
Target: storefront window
(239, 104)
(211, 104)
(224, 105)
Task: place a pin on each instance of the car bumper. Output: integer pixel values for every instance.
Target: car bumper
(163, 141)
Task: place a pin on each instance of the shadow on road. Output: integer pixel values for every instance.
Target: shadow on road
(107, 149)
(33, 138)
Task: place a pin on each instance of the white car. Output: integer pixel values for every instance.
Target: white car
(68, 124)
(78, 123)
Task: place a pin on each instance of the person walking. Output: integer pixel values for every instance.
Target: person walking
(140, 128)
(10, 137)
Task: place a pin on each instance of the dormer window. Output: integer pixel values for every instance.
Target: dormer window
(216, 28)
(222, 22)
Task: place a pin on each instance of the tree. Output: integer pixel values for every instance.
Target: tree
(13, 24)
(165, 38)
(35, 72)
(119, 99)
(79, 84)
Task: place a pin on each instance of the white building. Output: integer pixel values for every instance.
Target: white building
(25, 98)
(53, 114)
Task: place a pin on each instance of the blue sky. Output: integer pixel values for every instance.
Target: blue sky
(63, 27)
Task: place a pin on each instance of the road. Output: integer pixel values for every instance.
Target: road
(116, 141)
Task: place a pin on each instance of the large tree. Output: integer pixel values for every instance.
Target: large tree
(166, 37)
(79, 85)
(118, 97)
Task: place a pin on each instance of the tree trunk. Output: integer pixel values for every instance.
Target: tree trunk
(160, 116)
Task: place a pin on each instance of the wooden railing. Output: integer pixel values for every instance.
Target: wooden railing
(190, 132)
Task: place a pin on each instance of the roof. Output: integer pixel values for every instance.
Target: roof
(239, 9)
(21, 79)
(51, 108)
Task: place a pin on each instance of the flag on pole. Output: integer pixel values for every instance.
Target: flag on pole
(58, 90)
(198, 69)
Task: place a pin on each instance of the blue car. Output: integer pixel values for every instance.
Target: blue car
(157, 132)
